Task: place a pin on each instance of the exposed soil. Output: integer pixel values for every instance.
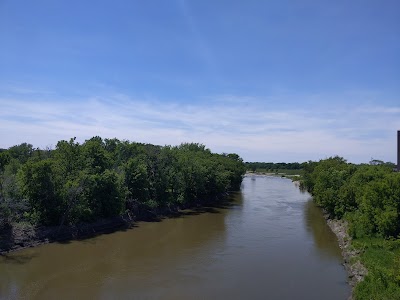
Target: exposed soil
(355, 270)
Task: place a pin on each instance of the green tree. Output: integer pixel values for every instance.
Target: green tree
(21, 152)
(136, 179)
(103, 194)
(95, 158)
(68, 157)
(40, 186)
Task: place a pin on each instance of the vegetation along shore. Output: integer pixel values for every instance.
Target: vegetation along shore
(77, 190)
(362, 204)
(80, 190)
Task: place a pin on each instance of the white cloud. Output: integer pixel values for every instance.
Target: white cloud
(244, 127)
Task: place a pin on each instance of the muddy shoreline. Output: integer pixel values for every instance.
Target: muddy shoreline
(355, 270)
(22, 236)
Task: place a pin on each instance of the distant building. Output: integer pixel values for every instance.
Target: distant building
(398, 150)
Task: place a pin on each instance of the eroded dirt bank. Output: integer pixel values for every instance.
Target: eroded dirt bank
(356, 271)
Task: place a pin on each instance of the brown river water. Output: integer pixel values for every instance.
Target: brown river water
(269, 242)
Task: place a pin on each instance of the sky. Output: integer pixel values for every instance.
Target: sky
(274, 81)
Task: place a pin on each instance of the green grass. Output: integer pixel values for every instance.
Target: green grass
(280, 171)
(382, 260)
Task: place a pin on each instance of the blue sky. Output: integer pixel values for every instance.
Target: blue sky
(269, 80)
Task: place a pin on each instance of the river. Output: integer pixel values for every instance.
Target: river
(269, 242)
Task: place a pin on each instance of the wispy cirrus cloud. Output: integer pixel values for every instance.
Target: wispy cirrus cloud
(225, 124)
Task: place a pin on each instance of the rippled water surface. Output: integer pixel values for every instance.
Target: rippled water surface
(270, 242)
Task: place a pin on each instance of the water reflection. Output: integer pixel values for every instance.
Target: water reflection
(324, 239)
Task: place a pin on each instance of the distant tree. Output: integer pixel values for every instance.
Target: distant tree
(21, 152)
(376, 162)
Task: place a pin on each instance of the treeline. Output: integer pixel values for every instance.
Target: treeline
(367, 195)
(368, 198)
(254, 166)
(104, 178)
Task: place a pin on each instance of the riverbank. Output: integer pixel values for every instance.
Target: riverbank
(291, 175)
(352, 261)
(23, 235)
(367, 197)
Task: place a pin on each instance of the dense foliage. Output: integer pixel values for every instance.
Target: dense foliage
(104, 178)
(368, 197)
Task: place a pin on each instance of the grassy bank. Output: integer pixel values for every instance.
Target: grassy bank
(381, 257)
(285, 172)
